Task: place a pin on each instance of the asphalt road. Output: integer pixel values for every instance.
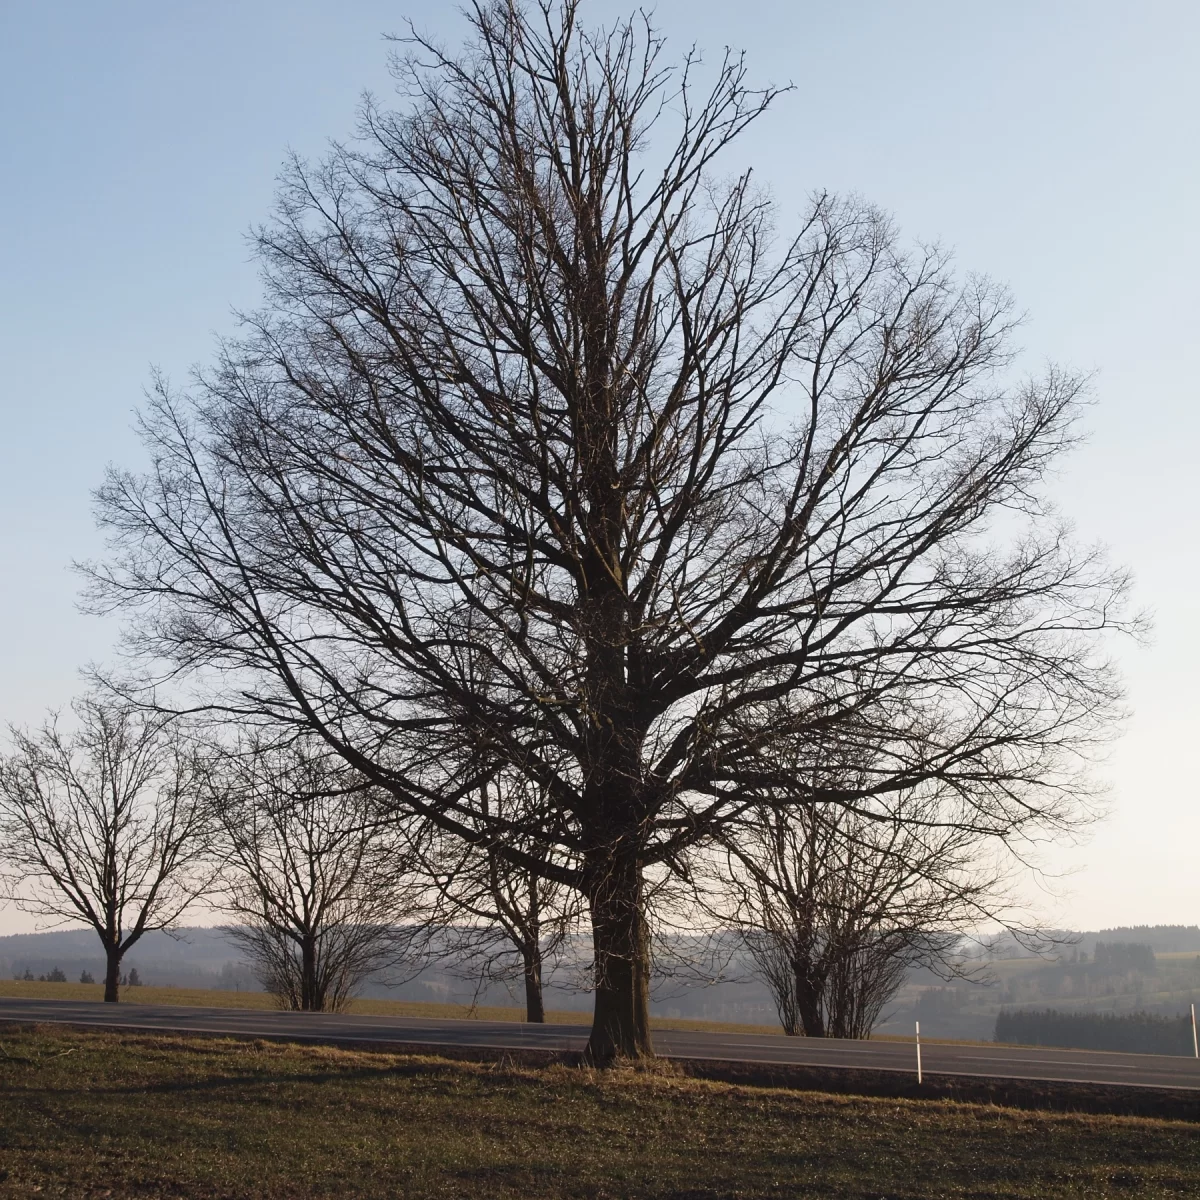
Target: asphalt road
(994, 1062)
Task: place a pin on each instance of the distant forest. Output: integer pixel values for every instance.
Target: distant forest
(1137, 1032)
(1162, 939)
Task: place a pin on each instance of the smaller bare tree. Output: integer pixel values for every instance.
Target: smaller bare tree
(323, 893)
(501, 921)
(103, 824)
(836, 905)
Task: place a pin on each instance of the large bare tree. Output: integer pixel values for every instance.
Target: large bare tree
(322, 892)
(103, 824)
(546, 450)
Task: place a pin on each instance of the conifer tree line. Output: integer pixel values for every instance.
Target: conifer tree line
(1126, 1032)
(580, 539)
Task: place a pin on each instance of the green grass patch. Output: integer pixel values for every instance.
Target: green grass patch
(106, 1114)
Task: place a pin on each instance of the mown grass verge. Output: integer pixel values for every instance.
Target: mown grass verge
(104, 1114)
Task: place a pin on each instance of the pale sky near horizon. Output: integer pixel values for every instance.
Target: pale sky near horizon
(1054, 146)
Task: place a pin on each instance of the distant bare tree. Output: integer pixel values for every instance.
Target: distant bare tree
(103, 824)
(503, 921)
(835, 905)
(544, 446)
(864, 978)
(323, 895)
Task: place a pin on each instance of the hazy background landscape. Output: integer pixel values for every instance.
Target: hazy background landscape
(1154, 969)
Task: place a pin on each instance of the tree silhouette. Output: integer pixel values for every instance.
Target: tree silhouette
(546, 454)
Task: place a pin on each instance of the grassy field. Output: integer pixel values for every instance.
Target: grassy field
(367, 1007)
(205, 998)
(99, 1114)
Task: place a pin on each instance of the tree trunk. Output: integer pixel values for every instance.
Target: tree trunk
(535, 1009)
(309, 1000)
(112, 974)
(809, 989)
(621, 1020)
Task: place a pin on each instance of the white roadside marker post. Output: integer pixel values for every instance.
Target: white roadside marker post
(919, 1046)
(1195, 1043)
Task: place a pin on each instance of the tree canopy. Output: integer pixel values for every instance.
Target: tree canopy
(550, 452)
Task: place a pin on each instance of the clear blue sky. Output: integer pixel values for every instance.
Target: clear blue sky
(1054, 145)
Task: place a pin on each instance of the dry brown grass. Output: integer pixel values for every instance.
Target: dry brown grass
(100, 1114)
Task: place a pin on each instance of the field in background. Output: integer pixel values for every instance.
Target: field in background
(99, 1114)
(367, 1006)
